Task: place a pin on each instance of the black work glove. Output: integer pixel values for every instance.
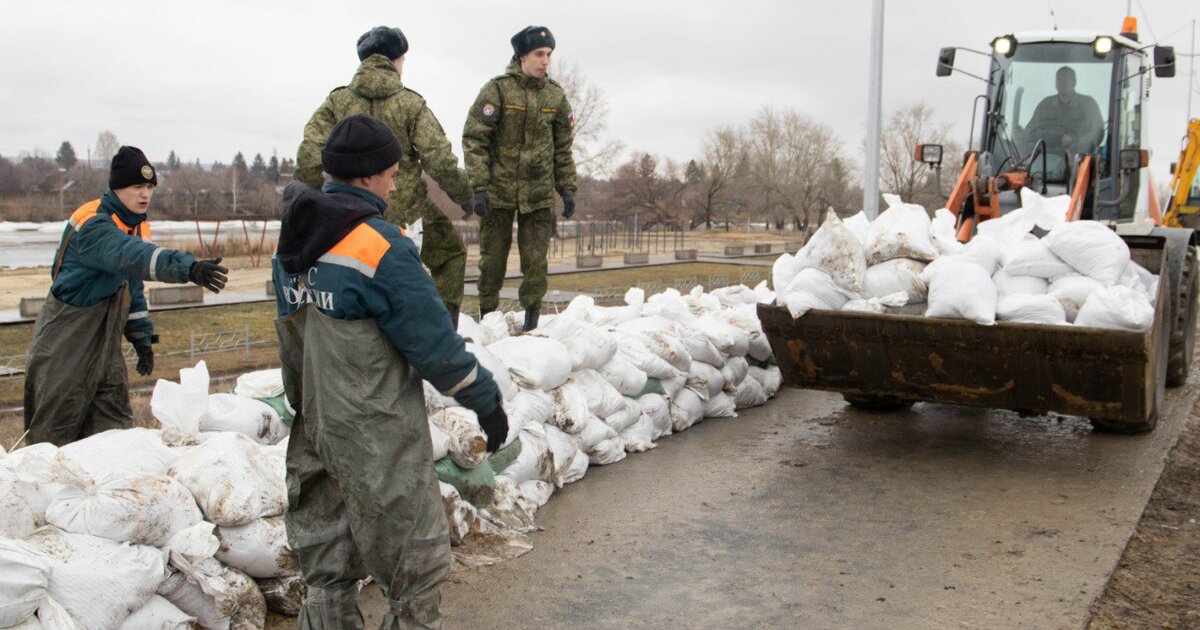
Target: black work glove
(568, 206)
(145, 354)
(481, 204)
(496, 428)
(209, 274)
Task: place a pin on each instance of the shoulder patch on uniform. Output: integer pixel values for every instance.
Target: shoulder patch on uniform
(361, 250)
(488, 109)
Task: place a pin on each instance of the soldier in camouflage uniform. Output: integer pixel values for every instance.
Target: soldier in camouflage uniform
(517, 148)
(377, 90)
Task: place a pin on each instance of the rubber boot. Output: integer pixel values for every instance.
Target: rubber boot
(531, 317)
(484, 311)
(453, 309)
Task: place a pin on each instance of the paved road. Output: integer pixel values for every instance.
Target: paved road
(806, 513)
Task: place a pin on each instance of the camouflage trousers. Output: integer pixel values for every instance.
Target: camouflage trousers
(442, 251)
(533, 243)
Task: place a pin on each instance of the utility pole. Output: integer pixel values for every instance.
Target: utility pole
(874, 113)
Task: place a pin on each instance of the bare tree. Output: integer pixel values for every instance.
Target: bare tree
(899, 173)
(650, 186)
(724, 167)
(595, 152)
(106, 146)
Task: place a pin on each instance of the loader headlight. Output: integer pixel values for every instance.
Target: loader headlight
(1102, 46)
(1005, 45)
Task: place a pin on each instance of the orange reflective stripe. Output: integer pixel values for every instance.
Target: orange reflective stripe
(84, 213)
(363, 245)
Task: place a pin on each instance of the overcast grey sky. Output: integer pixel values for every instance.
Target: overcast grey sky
(208, 79)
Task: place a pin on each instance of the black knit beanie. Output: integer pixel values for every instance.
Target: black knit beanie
(532, 38)
(360, 146)
(382, 40)
(130, 168)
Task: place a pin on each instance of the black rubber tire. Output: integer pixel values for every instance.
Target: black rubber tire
(1182, 342)
(878, 403)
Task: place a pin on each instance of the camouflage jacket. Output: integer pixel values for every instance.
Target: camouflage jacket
(377, 90)
(517, 141)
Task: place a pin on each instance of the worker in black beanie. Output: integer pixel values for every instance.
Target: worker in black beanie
(76, 381)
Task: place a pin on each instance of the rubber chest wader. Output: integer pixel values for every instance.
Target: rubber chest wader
(363, 498)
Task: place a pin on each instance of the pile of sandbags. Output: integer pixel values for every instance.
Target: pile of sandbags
(1078, 273)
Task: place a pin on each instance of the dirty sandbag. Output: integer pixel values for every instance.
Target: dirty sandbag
(535, 461)
(634, 348)
(899, 275)
(529, 406)
(217, 595)
(438, 440)
(285, 595)
(1031, 257)
(120, 452)
(158, 614)
(961, 291)
(1030, 309)
(593, 432)
(639, 437)
(727, 338)
(701, 303)
(468, 442)
(434, 400)
(720, 406)
(570, 462)
(498, 369)
(252, 418)
(178, 407)
(609, 451)
(260, 384)
(1008, 283)
(734, 371)
(656, 408)
(50, 616)
(835, 250)
(1119, 308)
(259, 548)
(901, 231)
(705, 379)
(1091, 248)
(749, 394)
(603, 399)
(141, 509)
(21, 506)
(622, 374)
(98, 581)
(589, 346)
(701, 348)
(461, 516)
(24, 581)
(571, 408)
(666, 346)
(508, 508)
(671, 386)
(1072, 292)
(878, 305)
(536, 491)
(534, 362)
(733, 295)
(231, 480)
(629, 413)
(687, 408)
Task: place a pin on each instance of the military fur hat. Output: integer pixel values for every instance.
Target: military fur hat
(360, 146)
(130, 168)
(382, 40)
(532, 38)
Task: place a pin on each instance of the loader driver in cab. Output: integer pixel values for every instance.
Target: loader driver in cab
(1067, 121)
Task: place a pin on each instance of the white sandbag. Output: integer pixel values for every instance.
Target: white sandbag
(98, 581)
(663, 343)
(285, 595)
(727, 338)
(635, 348)
(639, 436)
(607, 452)
(1008, 283)
(509, 509)
(701, 303)
(859, 225)
(536, 460)
(984, 251)
(705, 379)
(439, 440)
(50, 616)
(1010, 228)
(943, 234)
(603, 399)
(434, 400)
(231, 480)
(812, 290)
(120, 452)
(24, 581)
(672, 385)
(701, 348)
(744, 317)
(1030, 309)
(178, 407)
(687, 408)
(567, 456)
(158, 614)
(218, 595)
(669, 304)
(763, 294)
(495, 327)
(961, 291)
(656, 409)
(784, 270)
(259, 548)
(260, 384)
(898, 275)
(141, 509)
(1031, 257)
(773, 381)
(749, 393)
(1092, 248)
(901, 231)
(534, 362)
(536, 491)
(1046, 213)
(1072, 292)
(498, 369)
(253, 418)
(1119, 308)
(835, 250)
(876, 304)
(21, 506)
(1147, 282)
(720, 406)
(468, 442)
(628, 414)
(734, 371)
(622, 374)
(529, 406)
(471, 331)
(589, 346)
(461, 516)
(572, 410)
(593, 432)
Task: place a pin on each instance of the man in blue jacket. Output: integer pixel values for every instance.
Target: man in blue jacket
(76, 383)
(361, 324)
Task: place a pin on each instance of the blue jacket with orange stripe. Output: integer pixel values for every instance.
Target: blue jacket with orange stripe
(337, 253)
(105, 245)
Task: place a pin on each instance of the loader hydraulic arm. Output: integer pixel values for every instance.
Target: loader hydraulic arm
(1184, 176)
